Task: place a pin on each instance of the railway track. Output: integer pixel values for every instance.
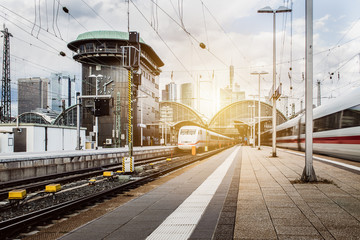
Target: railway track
(13, 226)
(39, 183)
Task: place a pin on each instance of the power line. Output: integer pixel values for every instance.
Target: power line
(162, 38)
(337, 44)
(221, 27)
(92, 9)
(182, 26)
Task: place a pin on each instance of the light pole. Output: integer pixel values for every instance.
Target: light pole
(252, 119)
(253, 122)
(78, 141)
(268, 9)
(259, 115)
(96, 117)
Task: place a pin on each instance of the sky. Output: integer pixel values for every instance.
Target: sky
(232, 31)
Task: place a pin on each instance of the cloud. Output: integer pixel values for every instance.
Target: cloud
(321, 24)
(250, 32)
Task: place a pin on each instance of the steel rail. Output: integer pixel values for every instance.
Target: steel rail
(16, 225)
(37, 183)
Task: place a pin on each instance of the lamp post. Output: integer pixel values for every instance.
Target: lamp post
(259, 109)
(96, 117)
(252, 119)
(268, 9)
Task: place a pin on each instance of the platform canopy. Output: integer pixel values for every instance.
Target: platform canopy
(176, 115)
(238, 117)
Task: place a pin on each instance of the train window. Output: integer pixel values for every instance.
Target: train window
(285, 132)
(188, 131)
(351, 117)
(326, 123)
(282, 133)
(302, 128)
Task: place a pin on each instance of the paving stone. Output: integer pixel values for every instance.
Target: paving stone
(227, 220)
(285, 213)
(254, 230)
(296, 230)
(346, 233)
(289, 237)
(291, 222)
(297, 211)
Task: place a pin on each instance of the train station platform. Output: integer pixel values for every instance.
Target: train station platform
(22, 165)
(240, 193)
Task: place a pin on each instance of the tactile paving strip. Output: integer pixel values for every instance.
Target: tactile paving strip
(182, 222)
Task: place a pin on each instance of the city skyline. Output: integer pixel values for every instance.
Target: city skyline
(232, 33)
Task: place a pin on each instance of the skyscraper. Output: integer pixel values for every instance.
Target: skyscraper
(187, 94)
(61, 88)
(231, 76)
(32, 94)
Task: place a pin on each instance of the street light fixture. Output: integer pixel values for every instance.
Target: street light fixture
(259, 109)
(96, 117)
(268, 9)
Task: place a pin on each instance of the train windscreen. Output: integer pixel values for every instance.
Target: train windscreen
(188, 131)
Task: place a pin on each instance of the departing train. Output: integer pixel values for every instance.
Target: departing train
(190, 136)
(336, 129)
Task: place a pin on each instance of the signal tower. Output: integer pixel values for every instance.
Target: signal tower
(5, 115)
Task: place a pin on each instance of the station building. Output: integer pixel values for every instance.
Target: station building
(102, 54)
(236, 120)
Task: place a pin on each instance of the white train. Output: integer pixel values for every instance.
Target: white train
(190, 136)
(336, 128)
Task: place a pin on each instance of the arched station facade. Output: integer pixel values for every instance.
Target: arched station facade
(236, 120)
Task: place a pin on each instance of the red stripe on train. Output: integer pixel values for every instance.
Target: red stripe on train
(327, 140)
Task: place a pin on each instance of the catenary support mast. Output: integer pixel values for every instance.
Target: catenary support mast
(5, 83)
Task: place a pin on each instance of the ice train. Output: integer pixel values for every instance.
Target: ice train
(336, 129)
(190, 136)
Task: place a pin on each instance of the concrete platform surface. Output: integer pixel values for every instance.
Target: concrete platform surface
(17, 156)
(186, 207)
(269, 206)
(256, 198)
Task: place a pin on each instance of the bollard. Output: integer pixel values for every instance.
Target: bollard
(193, 150)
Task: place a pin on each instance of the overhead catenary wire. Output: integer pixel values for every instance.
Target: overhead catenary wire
(35, 19)
(92, 9)
(206, 32)
(92, 62)
(47, 17)
(162, 38)
(47, 44)
(221, 27)
(182, 26)
(337, 43)
(53, 18)
(284, 23)
(39, 21)
(27, 20)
